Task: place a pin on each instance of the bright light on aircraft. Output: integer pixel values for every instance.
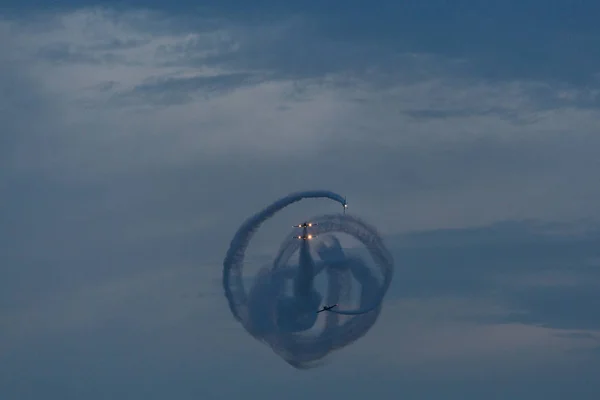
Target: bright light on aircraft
(306, 225)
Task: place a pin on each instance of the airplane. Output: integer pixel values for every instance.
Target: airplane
(326, 308)
(305, 237)
(306, 225)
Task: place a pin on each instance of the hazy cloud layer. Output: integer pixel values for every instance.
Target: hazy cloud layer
(420, 130)
(134, 142)
(154, 324)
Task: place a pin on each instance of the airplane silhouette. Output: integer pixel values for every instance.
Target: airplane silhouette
(326, 308)
(306, 237)
(306, 225)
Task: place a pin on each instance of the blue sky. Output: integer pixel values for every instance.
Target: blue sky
(138, 135)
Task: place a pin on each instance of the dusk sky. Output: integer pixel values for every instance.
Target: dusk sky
(136, 136)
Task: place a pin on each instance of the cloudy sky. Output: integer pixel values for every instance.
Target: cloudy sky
(136, 137)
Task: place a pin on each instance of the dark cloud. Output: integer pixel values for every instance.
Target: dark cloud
(170, 91)
(63, 53)
(514, 116)
(570, 307)
(508, 40)
(531, 40)
(544, 279)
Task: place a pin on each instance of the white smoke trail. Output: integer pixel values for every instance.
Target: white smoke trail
(284, 322)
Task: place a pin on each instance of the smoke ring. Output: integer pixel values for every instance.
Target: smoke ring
(269, 316)
(358, 229)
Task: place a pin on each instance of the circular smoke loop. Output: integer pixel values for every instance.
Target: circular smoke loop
(287, 321)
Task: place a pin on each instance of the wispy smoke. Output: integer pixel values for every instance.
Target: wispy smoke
(287, 322)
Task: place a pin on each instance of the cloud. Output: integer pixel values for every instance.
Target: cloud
(496, 301)
(166, 101)
(171, 91)
(137, 141)
(412, 132)
(138, 128)
(539, 275)
(431, 317)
